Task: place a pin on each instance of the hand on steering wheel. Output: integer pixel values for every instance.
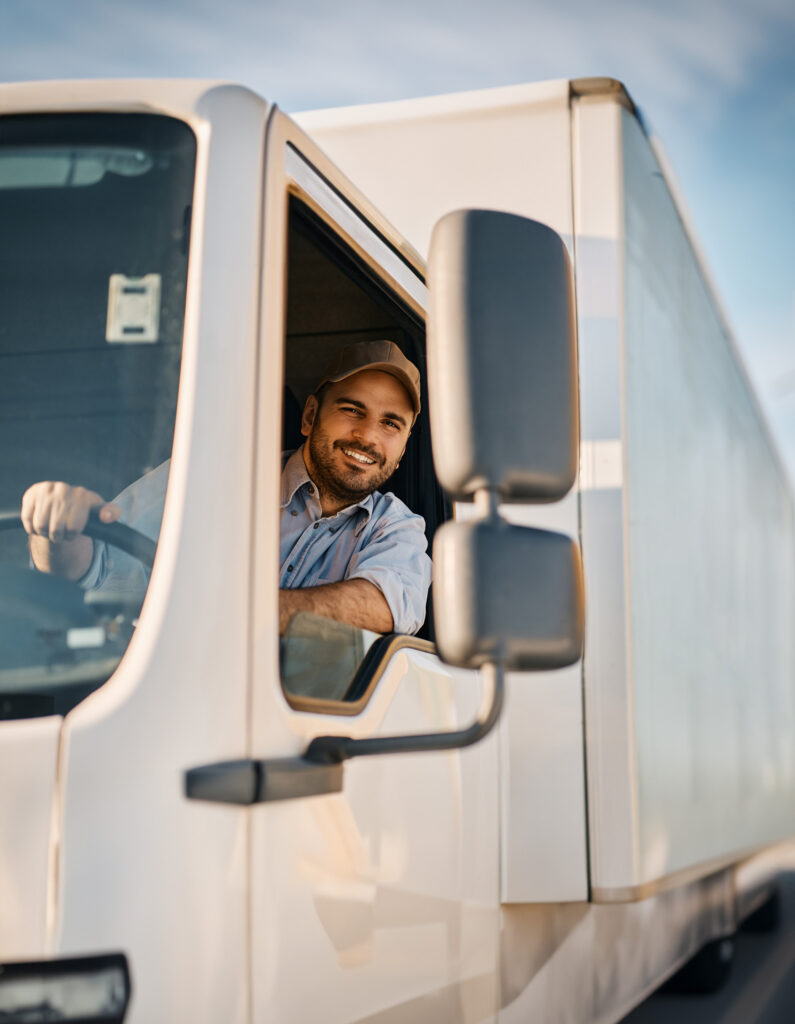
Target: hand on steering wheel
(118, 535)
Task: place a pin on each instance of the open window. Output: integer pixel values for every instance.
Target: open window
(334, 298)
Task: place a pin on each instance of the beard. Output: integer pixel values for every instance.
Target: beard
(346, 483)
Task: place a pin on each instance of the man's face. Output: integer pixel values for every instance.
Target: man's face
(357, 435)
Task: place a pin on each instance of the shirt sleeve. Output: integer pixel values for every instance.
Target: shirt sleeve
(141, 506)
(96, 572)
(394, 559)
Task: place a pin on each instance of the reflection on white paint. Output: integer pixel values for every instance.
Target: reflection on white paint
(601, 465)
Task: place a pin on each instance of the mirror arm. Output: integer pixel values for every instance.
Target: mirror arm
(334, 749)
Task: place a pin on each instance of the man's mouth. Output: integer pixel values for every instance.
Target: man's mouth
(358, 456)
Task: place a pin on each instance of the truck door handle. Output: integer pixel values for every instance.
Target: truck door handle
(248, 781)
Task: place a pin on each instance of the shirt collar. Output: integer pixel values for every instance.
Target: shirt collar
(295, 476)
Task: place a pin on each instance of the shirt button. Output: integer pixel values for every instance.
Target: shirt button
(293, 512)
(289, 568)
(316, 526)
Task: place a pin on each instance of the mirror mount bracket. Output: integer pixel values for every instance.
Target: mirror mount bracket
(335, 749)
(487, 500)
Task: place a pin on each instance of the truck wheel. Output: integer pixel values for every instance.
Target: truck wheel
(707, 971)
(766, 918)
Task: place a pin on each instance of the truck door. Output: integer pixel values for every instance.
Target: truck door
(125, 325)
(379, 902)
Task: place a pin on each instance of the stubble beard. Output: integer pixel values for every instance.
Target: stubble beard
(348, 486)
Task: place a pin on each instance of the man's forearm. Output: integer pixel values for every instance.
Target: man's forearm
(68, 558)
(358, 602)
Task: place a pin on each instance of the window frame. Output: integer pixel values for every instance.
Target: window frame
(392, 267)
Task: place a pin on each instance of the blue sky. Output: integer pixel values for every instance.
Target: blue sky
(715, 80)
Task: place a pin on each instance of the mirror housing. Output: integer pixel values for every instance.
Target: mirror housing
(512, 596)
(503, 395)
(502, 357)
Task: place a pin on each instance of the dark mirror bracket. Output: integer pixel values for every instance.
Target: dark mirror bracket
(333, 750)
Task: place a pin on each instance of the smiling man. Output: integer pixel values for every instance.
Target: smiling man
(347, 551)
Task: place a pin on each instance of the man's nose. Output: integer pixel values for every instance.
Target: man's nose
(364, 431)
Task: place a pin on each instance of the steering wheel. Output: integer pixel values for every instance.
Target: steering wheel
(56, 602)
(118, 535)
(39, 612)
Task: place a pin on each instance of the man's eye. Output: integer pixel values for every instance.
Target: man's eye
(392, 424)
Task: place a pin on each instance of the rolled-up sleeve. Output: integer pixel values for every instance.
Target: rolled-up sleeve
(97, 571)
(394, 559)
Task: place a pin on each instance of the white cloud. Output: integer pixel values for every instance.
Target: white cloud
(311, 47)
(690, 64)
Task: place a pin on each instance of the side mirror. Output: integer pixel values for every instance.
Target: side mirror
(502, 357)
(507, 595)
(502, 378)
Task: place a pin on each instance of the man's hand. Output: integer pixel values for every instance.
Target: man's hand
(54, 516)
(358, 602)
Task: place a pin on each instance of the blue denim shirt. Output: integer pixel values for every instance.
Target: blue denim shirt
(378, 539)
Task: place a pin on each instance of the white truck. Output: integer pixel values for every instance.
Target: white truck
(202, 821)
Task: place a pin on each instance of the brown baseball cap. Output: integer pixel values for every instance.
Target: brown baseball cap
(375, 355)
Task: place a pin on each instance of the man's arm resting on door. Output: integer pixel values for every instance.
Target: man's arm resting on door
(358, 602)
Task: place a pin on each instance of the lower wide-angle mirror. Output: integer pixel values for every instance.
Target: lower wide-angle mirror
(508, 595)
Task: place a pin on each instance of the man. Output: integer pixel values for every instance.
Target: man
(347, 551)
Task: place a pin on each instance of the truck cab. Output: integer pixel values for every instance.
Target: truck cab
(205, 820)
(184, 264)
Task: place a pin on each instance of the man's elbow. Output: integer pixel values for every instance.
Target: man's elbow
(408, 618)
(382, 619)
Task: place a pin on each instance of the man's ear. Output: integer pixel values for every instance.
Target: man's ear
(309, 415)
(404, 448)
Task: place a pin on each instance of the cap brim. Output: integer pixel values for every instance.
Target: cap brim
(393, 371)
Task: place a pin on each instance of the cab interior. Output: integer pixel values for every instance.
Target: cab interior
(333, 300)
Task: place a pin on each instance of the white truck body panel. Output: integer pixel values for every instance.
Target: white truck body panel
(711, 613)
(29, 756)
(671, 690)
(612, 777)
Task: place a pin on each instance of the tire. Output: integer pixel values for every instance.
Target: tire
(707, 971)
(766, 918)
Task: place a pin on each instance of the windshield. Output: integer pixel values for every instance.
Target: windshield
(96, 215)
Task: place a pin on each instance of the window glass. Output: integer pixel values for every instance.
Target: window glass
(320, 657)
(335, 300)
(96, 214)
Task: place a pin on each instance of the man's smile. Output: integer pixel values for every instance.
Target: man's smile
(357, 455)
